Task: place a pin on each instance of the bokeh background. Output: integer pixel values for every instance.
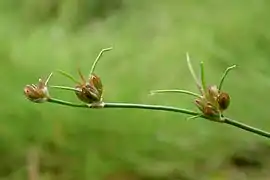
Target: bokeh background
(150, 39)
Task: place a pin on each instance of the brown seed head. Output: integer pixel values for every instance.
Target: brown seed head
(36, 93)
(88, 93)
(223, 100)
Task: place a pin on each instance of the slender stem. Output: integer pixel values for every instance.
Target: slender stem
(69, 76)
(193, 73)
(97, 59)
(150, 107)
(203, 78)
(224, 75)
(246, 127)
(194, 117)
(164, 108)
(175, 91)
(66, 88)
(66, 103)
(127, 105)
(81, 75)
(48, 78)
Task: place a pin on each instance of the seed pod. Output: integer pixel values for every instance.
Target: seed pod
(88, 94)
(37, 93)
(223, 100)
(91, 91)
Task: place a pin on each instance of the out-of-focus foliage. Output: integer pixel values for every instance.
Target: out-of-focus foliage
(70, 12)
(150, 39)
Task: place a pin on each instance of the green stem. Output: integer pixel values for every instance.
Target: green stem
(203, 78)
(150, 107)
(68, 76)
(66, 88)
(97, 59)
(48, 78)
(190, 67)
(66, 103)
(246, 127)
(127, 106)
(224, 75)
(175, 91)
(164, 108)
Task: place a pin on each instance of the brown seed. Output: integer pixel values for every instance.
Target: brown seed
(223, 100)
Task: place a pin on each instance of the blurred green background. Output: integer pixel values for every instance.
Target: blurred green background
(150, 39)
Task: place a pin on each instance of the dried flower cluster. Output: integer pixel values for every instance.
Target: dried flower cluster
(211, 101)
(89, 90)
(38, 93)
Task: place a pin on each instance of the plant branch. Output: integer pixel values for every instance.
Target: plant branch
(66, 103)
(150, 107)
(164, 108)
(153, 92)
(246, 127)
(66, 88)
(126, 106)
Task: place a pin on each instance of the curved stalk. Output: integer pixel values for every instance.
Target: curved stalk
(224, 76)
(164, 108)
(97, 59)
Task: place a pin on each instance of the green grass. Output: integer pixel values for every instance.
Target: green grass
(150, 40)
